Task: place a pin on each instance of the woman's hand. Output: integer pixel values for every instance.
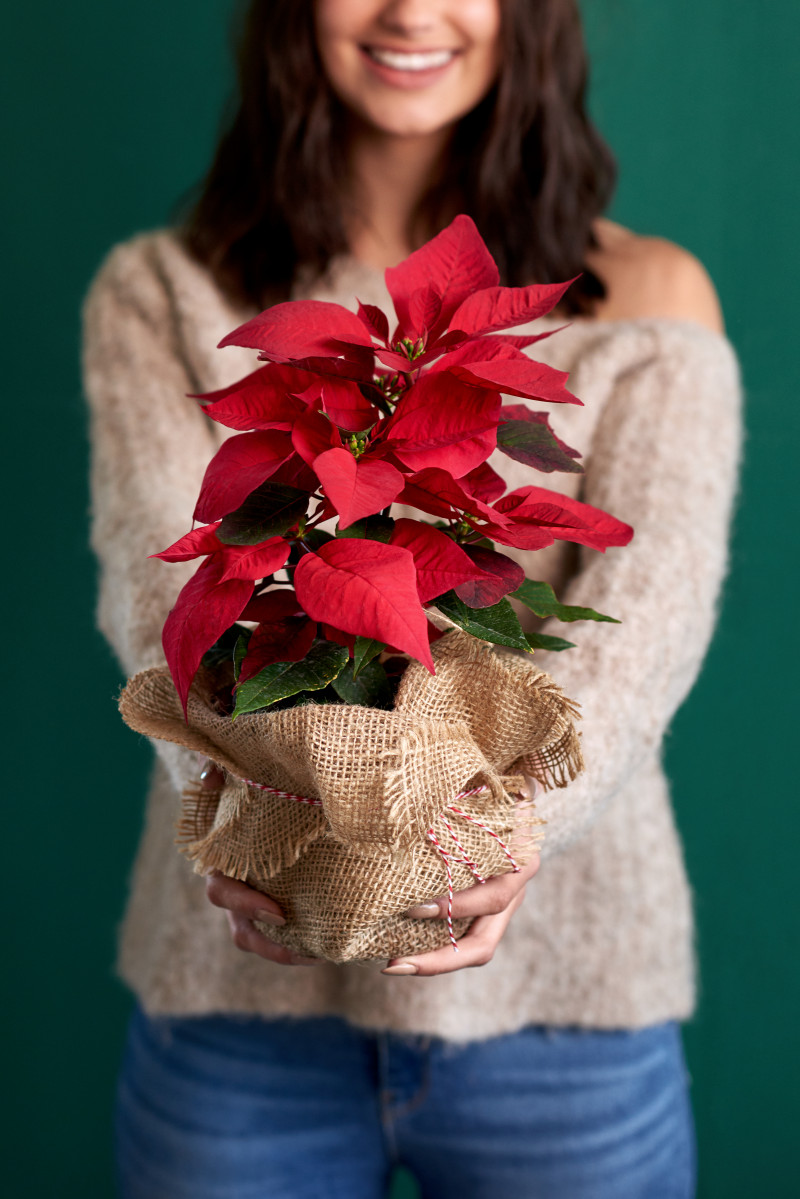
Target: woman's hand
(493, 903)
(244, 904)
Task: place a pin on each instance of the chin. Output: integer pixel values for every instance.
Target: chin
(393, 122)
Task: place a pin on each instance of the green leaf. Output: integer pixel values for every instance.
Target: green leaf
(272, 509)
(316, 538)
(541, 599)
(542, 641)
(303, 698)
(366, 648)
(370, 690)
(533, 442)
(240, 651)
(374, 528)
(321, 665)
(224, 647)
(498, 624)
(480, 543)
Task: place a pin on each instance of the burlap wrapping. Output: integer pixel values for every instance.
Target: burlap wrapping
(344, 873)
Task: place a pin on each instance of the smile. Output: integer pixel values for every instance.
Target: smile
(415, 60)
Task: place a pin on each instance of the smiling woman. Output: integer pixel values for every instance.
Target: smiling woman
(335, 153)
(363, 127)
(445, 57)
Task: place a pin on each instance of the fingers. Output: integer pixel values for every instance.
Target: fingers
(247, 938)
(482, 899)
(475, 948)
(229, 893)
(242, 906)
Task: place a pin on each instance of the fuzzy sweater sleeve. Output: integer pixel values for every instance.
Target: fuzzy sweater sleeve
(149, 445)
(664, 458)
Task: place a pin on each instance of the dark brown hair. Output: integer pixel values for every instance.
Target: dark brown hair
(527, 164)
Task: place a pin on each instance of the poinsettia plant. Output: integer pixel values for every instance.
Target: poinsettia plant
(346, 418)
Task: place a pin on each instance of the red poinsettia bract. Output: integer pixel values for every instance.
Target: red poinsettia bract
(348, 416)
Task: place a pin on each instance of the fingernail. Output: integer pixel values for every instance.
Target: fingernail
(401, 968)
(424, 909)
(267, 917)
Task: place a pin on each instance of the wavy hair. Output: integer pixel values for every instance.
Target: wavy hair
(526, 164)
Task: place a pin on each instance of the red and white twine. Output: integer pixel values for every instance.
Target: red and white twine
(316, 803)
(448, 858)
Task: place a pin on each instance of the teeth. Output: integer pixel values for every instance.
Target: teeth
(401, 61)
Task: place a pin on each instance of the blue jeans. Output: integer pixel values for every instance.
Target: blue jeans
(228, 1107)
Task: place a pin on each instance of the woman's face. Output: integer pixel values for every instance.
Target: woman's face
(409, 67)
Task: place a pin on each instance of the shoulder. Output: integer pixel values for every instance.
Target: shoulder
(651, 277)
(131, 275)
(148, 272)
(151, 286)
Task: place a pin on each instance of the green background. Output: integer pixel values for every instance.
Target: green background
(112, 110)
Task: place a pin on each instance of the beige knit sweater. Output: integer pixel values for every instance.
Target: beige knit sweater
(604, 937)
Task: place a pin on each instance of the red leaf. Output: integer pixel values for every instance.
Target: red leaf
(520, 536)
(254, 561)
(521, 377)
(437, 492)
(300, 329)
(358, 365)
(504, 307)
(484, 482)
(375, 321)
(441, 564)
(265, 399)
(455, 264)
(503, 575)
(581, 522)
(492, 360)
(332, 634)
(478, 349)
(523, 412)
(295, 473)
(521, 340)
(424, 310)
(437, 424)
(262, 411)
(346, 406)
(205, 608)
(548, 508)
(438, 345)
(241, 464)
(277, 604)
(192, 545)
(313, 434)
(395, 362)
(357, 487)
(283, 640)
(366, 588)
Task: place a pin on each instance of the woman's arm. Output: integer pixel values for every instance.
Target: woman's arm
(150, 445)
(665, 459)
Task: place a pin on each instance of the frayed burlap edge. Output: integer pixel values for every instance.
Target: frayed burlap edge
(481, 719)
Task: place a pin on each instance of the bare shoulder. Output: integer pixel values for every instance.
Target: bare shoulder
(651, 277)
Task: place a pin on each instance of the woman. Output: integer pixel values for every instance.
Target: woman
(554, 1069)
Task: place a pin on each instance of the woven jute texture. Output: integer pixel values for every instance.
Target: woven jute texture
(346, 871)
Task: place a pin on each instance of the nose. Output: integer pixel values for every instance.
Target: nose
(409, 17)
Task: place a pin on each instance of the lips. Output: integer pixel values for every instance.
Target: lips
(410, 60)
